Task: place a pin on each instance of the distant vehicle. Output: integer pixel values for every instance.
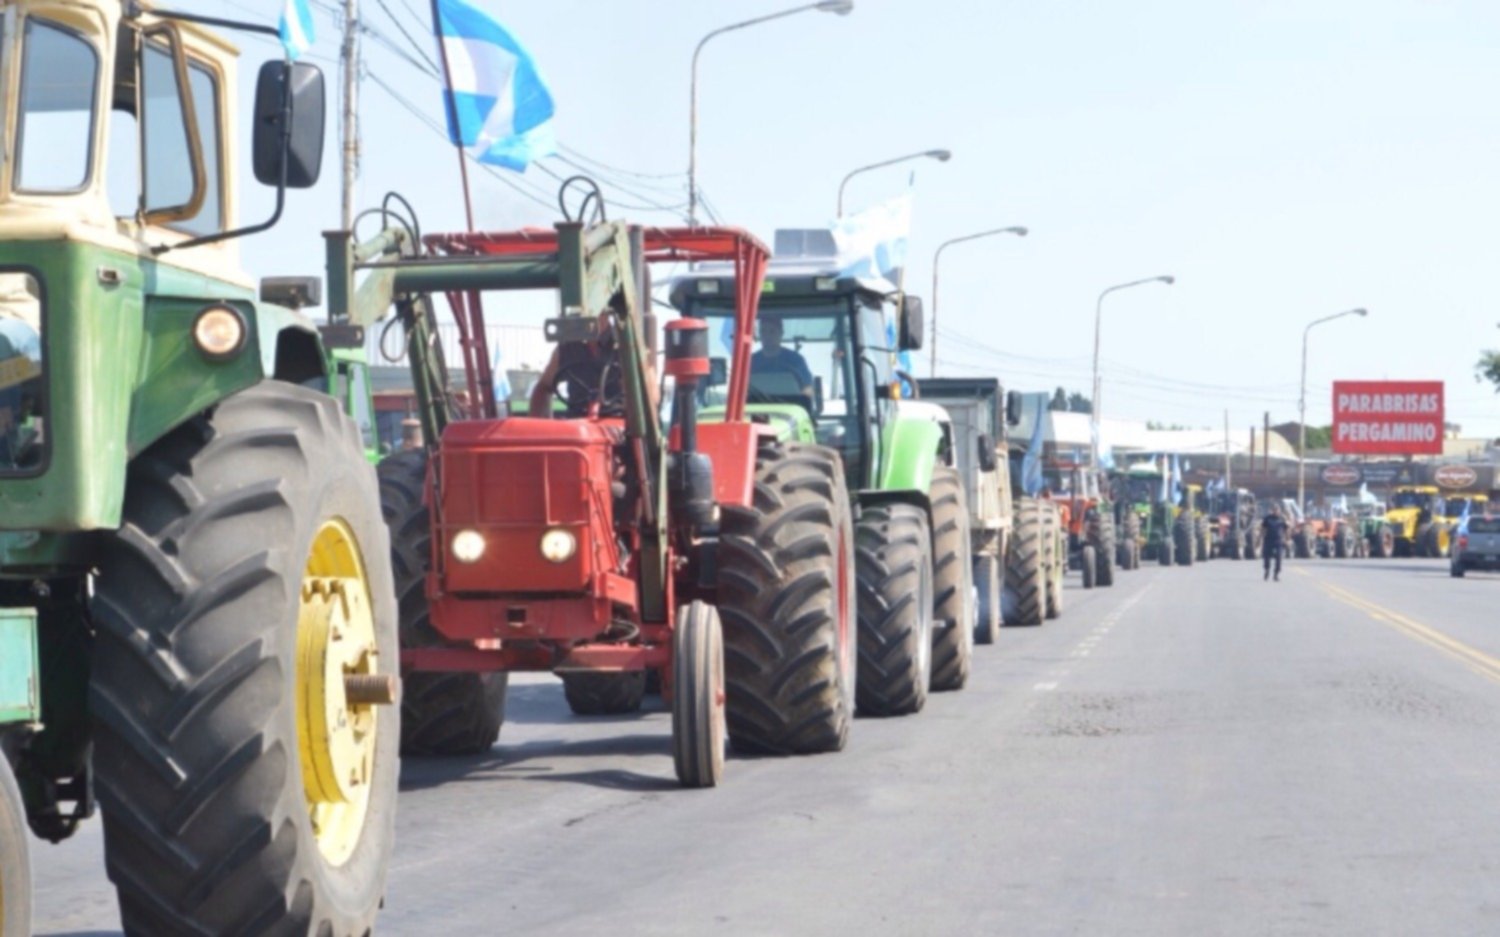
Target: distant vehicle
(1476, 545)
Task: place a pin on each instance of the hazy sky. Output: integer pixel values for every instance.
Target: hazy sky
(1285, 160)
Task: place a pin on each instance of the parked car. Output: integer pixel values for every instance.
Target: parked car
(1476, 545)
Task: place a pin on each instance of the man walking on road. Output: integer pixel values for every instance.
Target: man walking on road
(1273, 531)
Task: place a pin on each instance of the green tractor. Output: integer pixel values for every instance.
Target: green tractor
(1150, 520)
(197, 617)
(826, 373)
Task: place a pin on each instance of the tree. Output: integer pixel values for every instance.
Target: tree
(1319, 437)
(1078, 403)
(1059, 400)
(1487, 368)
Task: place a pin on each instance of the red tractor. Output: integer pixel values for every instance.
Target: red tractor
(598, 541)
(1089, 521)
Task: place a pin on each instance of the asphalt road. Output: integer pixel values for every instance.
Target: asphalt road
(1193, 751)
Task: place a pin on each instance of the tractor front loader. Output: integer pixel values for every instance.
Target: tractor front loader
(591, 539)
(197, 616)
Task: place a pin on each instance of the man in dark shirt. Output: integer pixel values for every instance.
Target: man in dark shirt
(1273, 532)
(772, 358)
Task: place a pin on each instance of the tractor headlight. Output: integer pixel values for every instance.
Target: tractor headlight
(467, 546)
(558, 545)
(219, 332)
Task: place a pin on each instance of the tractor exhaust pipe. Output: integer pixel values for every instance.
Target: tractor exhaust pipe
(692, 472)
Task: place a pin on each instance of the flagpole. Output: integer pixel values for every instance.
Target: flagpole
(463, 163)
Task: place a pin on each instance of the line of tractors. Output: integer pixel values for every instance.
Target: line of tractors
(222, 626)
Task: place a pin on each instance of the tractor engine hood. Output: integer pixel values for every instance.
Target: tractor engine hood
(525, 506)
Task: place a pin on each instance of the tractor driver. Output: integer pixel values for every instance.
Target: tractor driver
(589, 372)
(772, 358)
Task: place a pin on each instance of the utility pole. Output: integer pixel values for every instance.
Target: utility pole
(349, 58)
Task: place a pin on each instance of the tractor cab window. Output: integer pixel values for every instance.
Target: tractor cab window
(803, 357)
(22, 384)
(1410, 499)
(165, 133)
(54, 136)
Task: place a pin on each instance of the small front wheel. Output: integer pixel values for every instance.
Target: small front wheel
(698, 730)
(1090, 566)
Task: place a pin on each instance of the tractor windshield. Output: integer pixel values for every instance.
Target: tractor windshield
(1143, 490)
(804, 357)
(1411, 499)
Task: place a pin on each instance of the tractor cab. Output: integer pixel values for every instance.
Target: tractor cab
(825, 366)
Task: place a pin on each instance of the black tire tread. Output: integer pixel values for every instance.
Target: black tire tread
(893, 554)
(952, 582)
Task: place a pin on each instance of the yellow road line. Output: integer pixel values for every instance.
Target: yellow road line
(1486, 665)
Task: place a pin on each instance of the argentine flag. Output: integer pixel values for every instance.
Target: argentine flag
(872, 243)
(296, 28)
(498, 108)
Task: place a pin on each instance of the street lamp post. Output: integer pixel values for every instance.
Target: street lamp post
(941, 156)
(1017, 230)
(1098, 314)
(1302, 404)
(841, 7)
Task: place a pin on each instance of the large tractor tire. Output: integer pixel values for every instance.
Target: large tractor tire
(1025, 569)
(1104, 556)
(1383, 544)
(1343, 543)
(952, 581)
(894, 561)
(15, 862)
(604, 694)
(786, 602)
(698, 730)
(1164, 549)
(1184, 546)
(1301, 546)
(1235, 548)
(1088, 565)
(246, 640)
(1427, 542)
(1203, 542)
(1056, 558)
(442, 714)
(987, 609)
(1130, 541)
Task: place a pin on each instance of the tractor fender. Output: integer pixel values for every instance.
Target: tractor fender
(911, 453)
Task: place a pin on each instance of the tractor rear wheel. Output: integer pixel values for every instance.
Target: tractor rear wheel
(1342, 544)
(698, 696)
(987, 611)
(1427, 541)
(601, 693)
(1383, 544)
(1164, 549)
(1203, 542)
(15, 863)
(894, 564)
(441, 713)
(786, 601)
(1104, 556)
(1131, 541)
(1055, 555)
(1300, 547)
(953, 582)
(1235, 548)
(1025, 574)
(1089, 565)
(246, 648)
(1183, 547)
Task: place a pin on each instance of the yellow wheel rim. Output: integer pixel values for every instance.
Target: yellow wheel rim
(337, 724)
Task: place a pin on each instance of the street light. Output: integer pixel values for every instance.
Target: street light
(1098, 312)
(941, 156)
(841, 7)
(1302, 403)
(1017, 230)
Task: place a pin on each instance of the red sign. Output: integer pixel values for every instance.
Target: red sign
(1388, 417)
(1456, 476)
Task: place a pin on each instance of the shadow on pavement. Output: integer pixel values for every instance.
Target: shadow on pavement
(512, 762)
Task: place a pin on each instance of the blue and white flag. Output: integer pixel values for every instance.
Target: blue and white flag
(297, 28)
(1176, 479)
(497, 105)
(872, 243)
(1031, 466)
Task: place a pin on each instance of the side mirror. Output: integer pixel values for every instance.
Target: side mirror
(289, 123)
(912, 323)
(987, 461)
(1013, 408)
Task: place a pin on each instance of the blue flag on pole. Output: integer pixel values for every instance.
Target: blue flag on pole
(498, 107)
(296, 28)
(872, 243)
